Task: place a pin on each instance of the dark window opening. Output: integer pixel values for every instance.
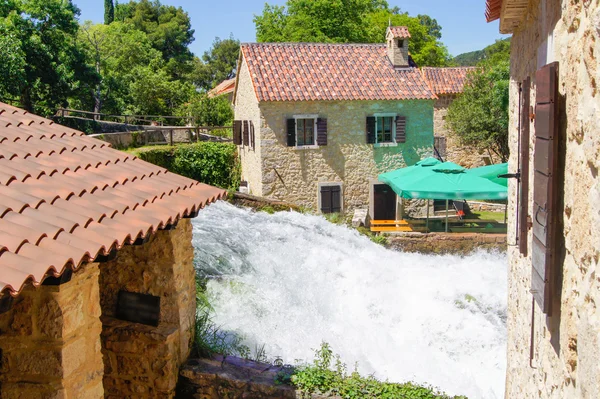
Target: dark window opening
(305, 132)
(384, 129)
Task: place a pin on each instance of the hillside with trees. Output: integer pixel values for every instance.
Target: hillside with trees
(475, 57)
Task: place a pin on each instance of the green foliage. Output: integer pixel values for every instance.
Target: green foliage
(208, 162)
(41, 63)
(168, 27)
(109, 12)
(490, 52)
(349, 21)
(209, 111)
(217, 64)
(329, 376)
(479, 117)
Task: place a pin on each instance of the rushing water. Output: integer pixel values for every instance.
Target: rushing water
(291, 281)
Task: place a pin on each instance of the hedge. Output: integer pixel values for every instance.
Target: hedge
(212, 163)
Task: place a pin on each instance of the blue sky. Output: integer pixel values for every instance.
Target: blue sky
(463, 21)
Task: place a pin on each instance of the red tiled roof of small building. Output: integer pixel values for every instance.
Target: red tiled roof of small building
(66, 199)
(225, 87)
(400, 32)
(329, 72)
(446, 80)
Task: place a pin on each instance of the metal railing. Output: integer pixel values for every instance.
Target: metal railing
(158, 120)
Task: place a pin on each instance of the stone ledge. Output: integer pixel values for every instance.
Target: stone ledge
(447, 243)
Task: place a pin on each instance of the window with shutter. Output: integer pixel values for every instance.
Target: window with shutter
(330, 198)
(523, 205)
(237, 132)
(545, 190)
(321, 131)
(252, 138)
(246, 133)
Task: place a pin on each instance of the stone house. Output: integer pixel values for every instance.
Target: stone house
(316, 123)
(554, 268)
(97, 285)
(447, 84)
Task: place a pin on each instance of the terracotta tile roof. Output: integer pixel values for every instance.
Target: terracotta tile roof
(225, 87)
(446, 80)
(66, 198)
(399, 32)
(493, 8)
(328, 72)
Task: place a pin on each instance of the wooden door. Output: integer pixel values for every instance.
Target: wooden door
(384, 202)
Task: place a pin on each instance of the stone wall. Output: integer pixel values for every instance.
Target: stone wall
(139, 359)
(468, 157)
(293, 174)
(447, 243)
(246, 108)
(566, 347)
(50, 341)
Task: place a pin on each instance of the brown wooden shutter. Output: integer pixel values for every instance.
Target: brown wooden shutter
(291, 132)
(237, 132)
(370, 130)
(523, 205)
(246, 134)
(545, 190)
(321, 131)
(252, 138)
(336, 204)
(331, 199)
(401, 129)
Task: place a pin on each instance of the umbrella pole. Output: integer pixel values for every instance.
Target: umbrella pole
(446, 216)
(505, 211)
(427, 220)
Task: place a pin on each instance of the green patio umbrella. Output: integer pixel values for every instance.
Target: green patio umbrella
(445, 180)
(491, 173)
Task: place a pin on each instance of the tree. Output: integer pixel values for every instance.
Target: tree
(115, 51)
(41, 63)
(479, 117)
(109, 12)
(169, 28)
(349, 21)
(217, 64)
(433, 28)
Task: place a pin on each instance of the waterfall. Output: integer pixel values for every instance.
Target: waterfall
(290, 281)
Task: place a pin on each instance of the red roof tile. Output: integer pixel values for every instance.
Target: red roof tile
(66, 198)
(447, 80)
(225, 87)
(493, 8)
(329, 72)
(399, 32)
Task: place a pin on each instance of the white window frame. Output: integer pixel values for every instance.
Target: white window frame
(306, 116)
(392, 143)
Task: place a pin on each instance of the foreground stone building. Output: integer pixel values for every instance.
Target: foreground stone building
(447, 84)
(554, 271)
(97, 286)
(316, 123)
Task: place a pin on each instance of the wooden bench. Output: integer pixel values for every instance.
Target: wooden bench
(390, 226)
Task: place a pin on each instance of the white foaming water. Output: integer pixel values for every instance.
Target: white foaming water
(291, 281)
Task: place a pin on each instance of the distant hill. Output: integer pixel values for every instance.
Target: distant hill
(472, 58)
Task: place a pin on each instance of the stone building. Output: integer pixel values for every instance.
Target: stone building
(97, 286)
(554, 272)
(447, 84)
(316, 123)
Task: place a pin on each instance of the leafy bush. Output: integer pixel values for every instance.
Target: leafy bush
(208, 162)
(324, 378)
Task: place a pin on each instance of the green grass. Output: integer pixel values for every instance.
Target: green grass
(487, 215)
